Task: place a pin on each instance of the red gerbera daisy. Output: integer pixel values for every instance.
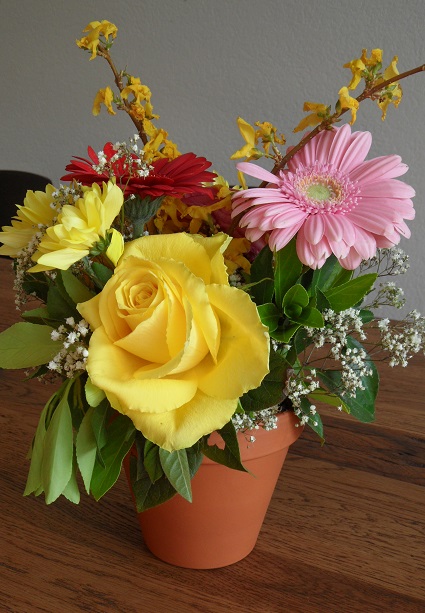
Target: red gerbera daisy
(182, 176)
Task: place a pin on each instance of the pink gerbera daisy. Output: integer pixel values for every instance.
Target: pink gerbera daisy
(331, 198)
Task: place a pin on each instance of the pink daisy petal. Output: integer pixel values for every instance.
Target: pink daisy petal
(391, 187)
(281, 237)
(351, 261)
(357, 150)
(314, 228)
(384, 167)
(256, 171)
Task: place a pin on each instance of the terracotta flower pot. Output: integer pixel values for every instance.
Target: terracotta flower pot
(222, 523)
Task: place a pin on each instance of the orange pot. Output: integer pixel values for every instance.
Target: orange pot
(222, 523)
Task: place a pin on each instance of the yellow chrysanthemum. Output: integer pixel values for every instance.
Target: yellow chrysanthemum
(95, 30)
(80, 228)
(106, 97)
(319, 112)
(37, 213)
(347, 102)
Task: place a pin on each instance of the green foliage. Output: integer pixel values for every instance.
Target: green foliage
(156, 475)
(351, 293)
(287, 271)
(26, 344)
(262, 286)
(230, 455)
(176, 468)
(52, 452)
(270, 391)
(119, 436)
(362, 406)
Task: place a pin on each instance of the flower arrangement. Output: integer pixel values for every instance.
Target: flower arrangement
(168, 305)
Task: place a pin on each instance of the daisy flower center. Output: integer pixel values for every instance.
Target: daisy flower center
(322, 188)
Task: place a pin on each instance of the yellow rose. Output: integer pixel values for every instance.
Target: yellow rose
(174, 346)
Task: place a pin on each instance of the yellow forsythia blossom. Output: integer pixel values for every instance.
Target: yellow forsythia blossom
(347, 102)
(320, 111)
(106, 97)
(394, 93)
(95, 30)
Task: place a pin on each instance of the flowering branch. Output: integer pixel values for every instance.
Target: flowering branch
(103, 52)
(369, 92)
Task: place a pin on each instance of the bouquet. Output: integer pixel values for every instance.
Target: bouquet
(165, 305)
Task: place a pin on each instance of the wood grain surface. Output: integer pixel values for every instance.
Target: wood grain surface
(345, 531)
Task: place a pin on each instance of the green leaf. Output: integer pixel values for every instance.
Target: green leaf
(71, 491)
(362, 406)
(152, 462)
(176, 468)
(102, 272)
(348, 294)
(288, 269)
(229, 456)
(269, 315)
(36, 284)
(58, 450)
(99, 421)
(270, 391)
(86, 448)
(34, 479)
(314, 421)
(310, 317)
(262, 286)
(284, 335)
(39, 316)
(330, 274)
(59, 304)
(75, 289)
(120, 438)
(25, 344)
(296, 295)
(322, 395)
(146, 493)
(94, 395)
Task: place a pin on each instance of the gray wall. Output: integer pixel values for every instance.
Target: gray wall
(206, 62)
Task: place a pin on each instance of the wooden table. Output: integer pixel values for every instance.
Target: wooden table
(344, 532)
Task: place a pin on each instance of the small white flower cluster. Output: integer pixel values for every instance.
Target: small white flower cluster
(404, 339)
(266, 419)
(354, 362)
(297, 389)
(336, 329)
(236, 279)
(131, 165)
(388, 295)
(391, 261)
(73, 355)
